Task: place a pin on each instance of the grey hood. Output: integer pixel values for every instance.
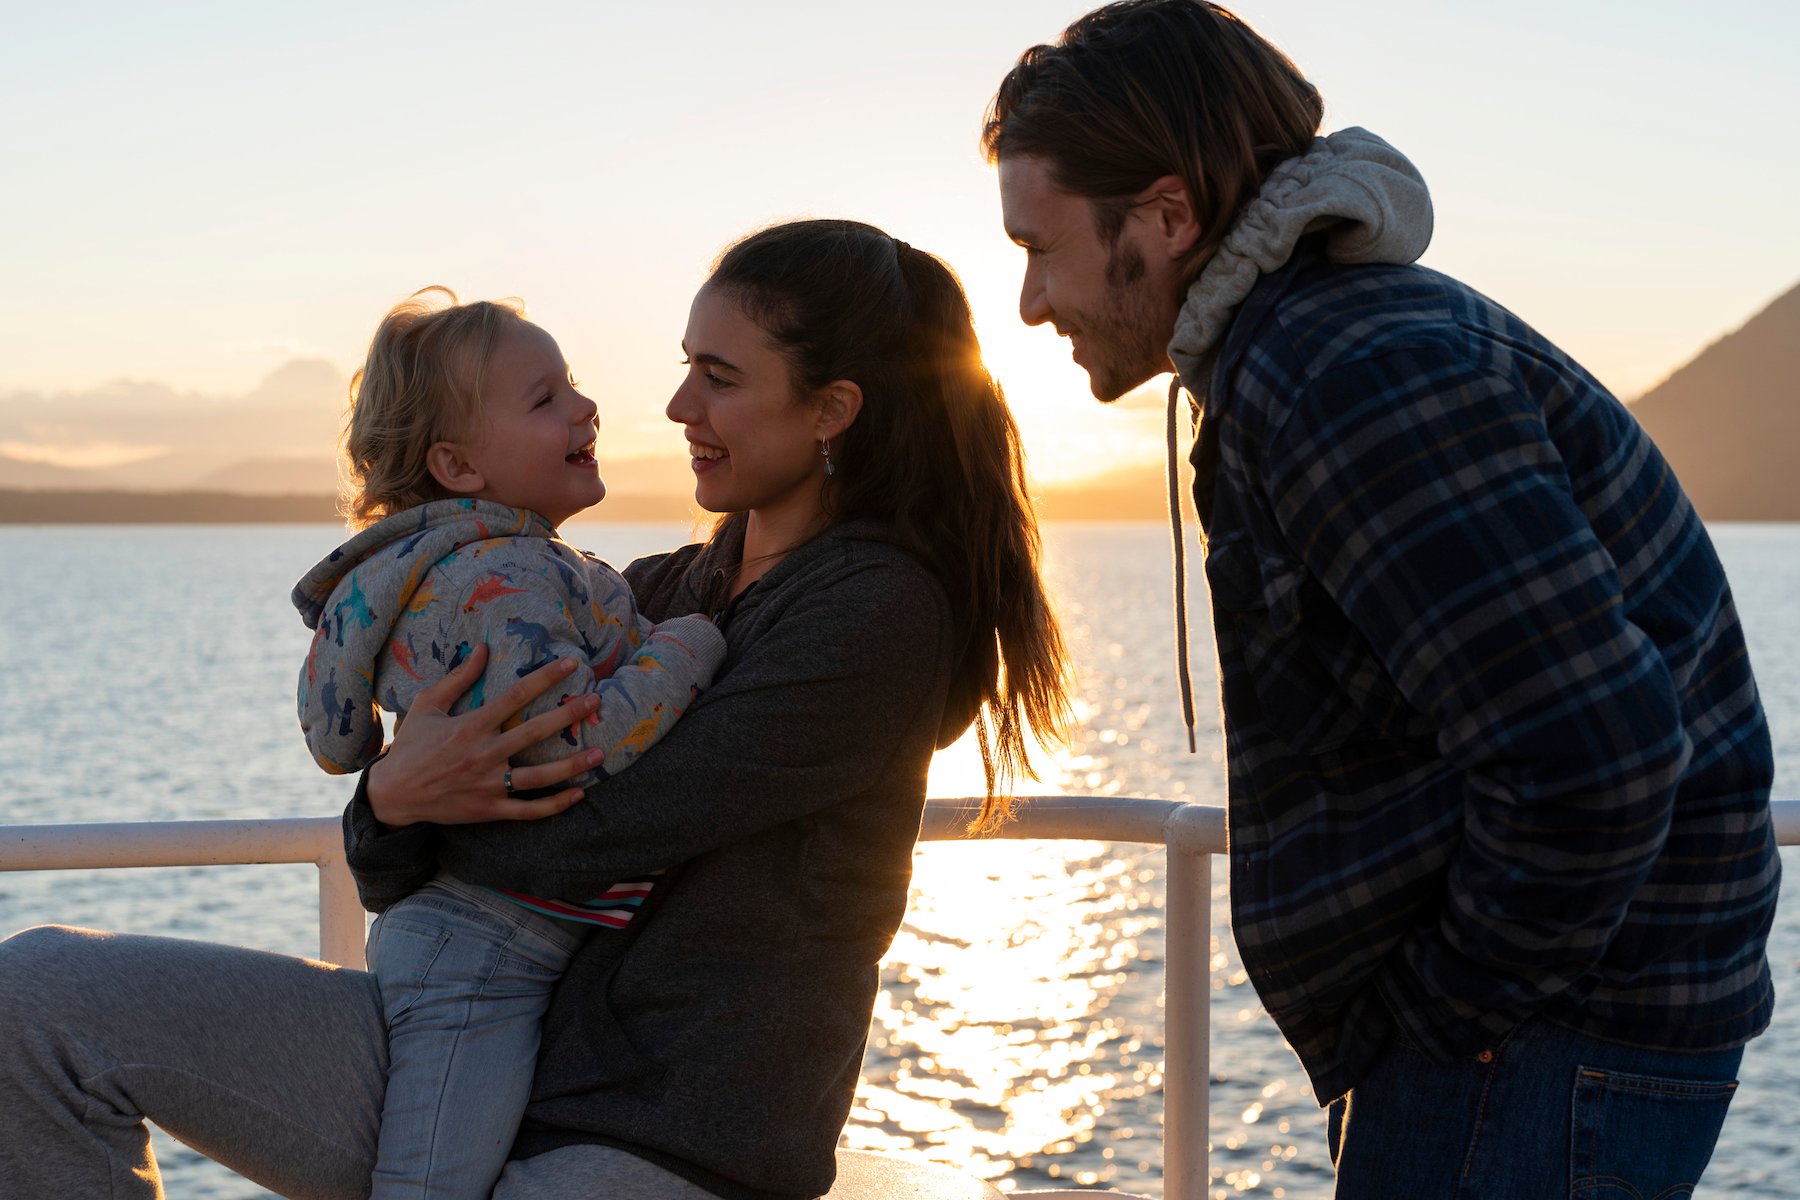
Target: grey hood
(1373, 206)
(1367, 194)
(357, 595)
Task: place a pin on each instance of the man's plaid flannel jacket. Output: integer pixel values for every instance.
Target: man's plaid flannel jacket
(1494, 746)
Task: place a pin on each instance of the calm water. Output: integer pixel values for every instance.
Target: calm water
(148, 674)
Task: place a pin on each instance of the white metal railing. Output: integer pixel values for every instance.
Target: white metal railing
(1192, 833)
(316, 840)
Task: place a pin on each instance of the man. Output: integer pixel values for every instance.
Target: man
(1502, 868)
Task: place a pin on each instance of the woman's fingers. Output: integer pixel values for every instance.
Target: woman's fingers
(448, 690)
(547, 725)
(543, 775)
(453, 770)
(513, 700)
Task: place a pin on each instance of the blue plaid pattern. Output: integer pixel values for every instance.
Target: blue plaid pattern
(1494, 745)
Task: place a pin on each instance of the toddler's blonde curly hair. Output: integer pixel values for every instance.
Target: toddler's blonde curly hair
(420, 385)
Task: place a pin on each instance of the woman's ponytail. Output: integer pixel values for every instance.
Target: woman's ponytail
(1023, 667)
(934, 454)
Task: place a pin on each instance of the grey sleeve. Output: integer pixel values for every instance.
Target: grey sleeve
(388, 865)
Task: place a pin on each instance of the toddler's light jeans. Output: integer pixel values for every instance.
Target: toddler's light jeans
(465, 977)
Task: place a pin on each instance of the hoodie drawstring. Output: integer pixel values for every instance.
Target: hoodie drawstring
(1181, 627)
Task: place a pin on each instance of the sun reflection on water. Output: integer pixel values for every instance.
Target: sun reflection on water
(992, 1043)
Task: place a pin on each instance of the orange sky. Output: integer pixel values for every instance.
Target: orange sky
(195, 202)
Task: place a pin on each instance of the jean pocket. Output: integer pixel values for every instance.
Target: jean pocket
(401, 954)
(528, 966)
(1642, 1137)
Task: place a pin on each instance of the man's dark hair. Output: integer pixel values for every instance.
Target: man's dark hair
(1146, 88)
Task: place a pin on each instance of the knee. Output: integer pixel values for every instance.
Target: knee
(42, 944)
(32, 964)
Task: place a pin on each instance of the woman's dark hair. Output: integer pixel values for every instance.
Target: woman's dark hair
(1146, 88)
(934, 454)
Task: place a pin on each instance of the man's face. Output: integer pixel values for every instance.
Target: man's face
(1116, 304)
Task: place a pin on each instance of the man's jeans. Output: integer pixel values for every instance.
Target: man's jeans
(465, 978)
(1551, 1113)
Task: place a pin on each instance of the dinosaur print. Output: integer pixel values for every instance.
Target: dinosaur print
(603, 618)
(402, 653)
(412, 543)
(337, 710)
(535, 638)
(423, 597)
(358, 607)
(312, 654)
(571, 733)
(589, 651)
(413, 596)
(643, 733)
(610, 663)
(457, 655)
(491, 587)
(573, 586)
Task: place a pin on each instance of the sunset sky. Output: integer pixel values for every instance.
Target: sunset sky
(196, 193)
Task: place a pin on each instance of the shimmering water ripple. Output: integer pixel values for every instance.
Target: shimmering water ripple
(1019, 1032)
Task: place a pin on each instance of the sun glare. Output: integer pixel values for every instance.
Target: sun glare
(1068, 434)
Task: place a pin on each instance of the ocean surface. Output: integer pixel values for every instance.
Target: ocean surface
(147, 673)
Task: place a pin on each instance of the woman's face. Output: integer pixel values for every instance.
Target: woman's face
(754, 443)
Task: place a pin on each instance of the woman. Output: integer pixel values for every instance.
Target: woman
(876, 582)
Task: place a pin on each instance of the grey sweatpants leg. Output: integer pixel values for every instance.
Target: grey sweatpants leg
(592, 1173)
(274, 1066)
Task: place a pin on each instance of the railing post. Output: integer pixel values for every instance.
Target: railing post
(342, 926)
(1187, 1010)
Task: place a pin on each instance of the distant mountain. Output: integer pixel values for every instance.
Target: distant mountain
(315, 475)
(277, 440)
(67, 507)
(271, 451)
(23, 473)
(180, 441)
(296, 408)
(1729, 421)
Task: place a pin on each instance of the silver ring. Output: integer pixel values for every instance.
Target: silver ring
(507, 782)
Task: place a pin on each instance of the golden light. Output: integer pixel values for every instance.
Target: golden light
(997, 1001)
(1068, 434)
(80, 455)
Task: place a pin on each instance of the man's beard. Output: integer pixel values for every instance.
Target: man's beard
(1122, 338)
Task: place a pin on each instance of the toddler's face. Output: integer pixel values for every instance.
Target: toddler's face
(534, 447)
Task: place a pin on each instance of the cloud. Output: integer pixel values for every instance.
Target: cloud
(147, 435)
(82, 455)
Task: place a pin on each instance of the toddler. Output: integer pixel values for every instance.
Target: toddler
(467, 445)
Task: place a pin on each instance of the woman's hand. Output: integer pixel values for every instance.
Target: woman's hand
(453, 770)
